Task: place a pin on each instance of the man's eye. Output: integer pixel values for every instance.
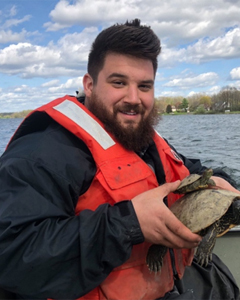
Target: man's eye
(145, 87)
(118, 83)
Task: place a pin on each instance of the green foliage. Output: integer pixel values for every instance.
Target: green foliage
(200, 110)
(21, 114)
(160, 106)
(206, 101)
(184, 104)
(227, 99)
(169, 109)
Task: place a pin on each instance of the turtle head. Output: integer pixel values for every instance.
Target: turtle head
(236, 210)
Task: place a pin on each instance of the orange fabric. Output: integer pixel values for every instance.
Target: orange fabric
(121, 175)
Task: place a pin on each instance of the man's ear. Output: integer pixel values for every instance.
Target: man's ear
(87, 85)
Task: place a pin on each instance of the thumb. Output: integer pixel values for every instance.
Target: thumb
(169, 187)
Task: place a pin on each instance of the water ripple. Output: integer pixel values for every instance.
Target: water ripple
(214, 139)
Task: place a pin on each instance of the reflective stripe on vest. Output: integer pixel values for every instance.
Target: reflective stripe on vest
(82, 119)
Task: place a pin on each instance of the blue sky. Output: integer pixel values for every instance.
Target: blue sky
(44, 45)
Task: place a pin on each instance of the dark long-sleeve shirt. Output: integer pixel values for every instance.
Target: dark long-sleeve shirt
(46, 251)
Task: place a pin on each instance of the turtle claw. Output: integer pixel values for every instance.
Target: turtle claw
(155, 257)
(155, 267)
(203, 259)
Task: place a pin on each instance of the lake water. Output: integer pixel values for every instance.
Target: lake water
(215, 139)
(7, 128)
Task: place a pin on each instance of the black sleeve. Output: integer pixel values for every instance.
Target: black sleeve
(195, 166)
(46, 251)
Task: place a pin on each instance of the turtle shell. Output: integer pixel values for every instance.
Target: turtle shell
(200, 209)
(195, 182)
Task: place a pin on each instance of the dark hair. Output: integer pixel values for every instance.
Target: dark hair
(130, 38)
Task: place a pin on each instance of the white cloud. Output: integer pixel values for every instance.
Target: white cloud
(235, 73)
(83, 12)
(21, 89)
(71, 84)
(15, 22)
(214, 90)
(70, 53)
(226, 46)
(7, 21)
(13, 11)
(192, 93)
(24, 97)
(67, 57)
(7, 36)
(193, 34)
(174, 21)
(201, 80)
(236, 84)
(169, 94)
(51, 83)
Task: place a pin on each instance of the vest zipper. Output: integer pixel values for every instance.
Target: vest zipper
(175, 273)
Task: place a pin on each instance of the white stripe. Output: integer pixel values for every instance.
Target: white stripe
(158, 133)
(81, 118)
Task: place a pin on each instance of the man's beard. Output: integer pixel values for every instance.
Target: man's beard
(132, 138)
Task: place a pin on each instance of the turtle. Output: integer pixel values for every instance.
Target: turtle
(195, 182)
(209, 212)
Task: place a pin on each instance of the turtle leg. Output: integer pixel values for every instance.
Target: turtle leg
(205, 248)
(155, 257)
(211, 182)
(236, 211)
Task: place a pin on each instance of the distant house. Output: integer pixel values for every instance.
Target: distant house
(173, 108)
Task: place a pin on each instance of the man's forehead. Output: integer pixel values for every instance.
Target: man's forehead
(118, 65)
(127, 57)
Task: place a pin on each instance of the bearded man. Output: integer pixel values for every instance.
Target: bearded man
(86, 183)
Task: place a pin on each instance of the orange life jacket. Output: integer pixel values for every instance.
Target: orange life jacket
(120, 175)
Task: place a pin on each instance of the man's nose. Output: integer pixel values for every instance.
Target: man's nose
(133, 96)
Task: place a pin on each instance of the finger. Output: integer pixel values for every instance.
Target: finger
(177, 243)
(169, 187)
(223, 184)
(172, 240)
(179, 230)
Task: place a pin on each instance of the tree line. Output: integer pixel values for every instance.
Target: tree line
(228, 99)
(13, 115)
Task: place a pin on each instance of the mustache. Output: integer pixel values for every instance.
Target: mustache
(127, 107)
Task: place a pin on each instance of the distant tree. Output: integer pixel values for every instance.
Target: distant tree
(184, 104)
(200, 110)
(160, 105)
(178, 105)
(21, 114)
(227, 98)
(231, 97)
(206, 101)
(194, 101)
(169, 108)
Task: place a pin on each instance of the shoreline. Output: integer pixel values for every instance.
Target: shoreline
(23, 114)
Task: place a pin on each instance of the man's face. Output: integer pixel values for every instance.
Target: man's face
(123, 97)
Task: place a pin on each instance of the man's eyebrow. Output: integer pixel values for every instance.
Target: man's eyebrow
(150, 81)
(119, 75)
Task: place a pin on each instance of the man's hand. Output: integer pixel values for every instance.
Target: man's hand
(158, 223)
(223, 184)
